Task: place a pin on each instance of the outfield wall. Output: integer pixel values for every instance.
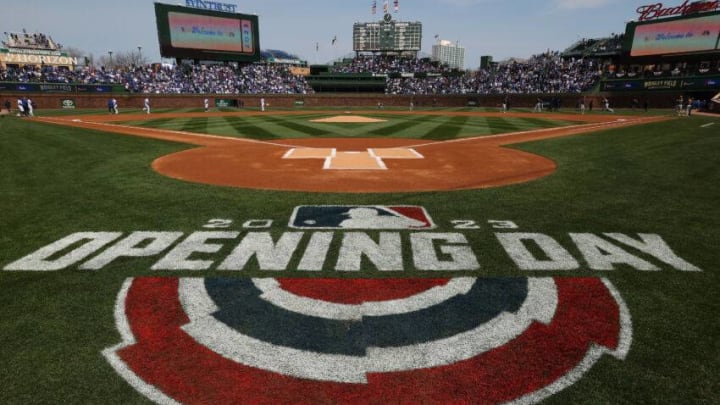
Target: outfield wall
(135, 101)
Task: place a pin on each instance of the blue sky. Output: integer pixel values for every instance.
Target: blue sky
(501, 28)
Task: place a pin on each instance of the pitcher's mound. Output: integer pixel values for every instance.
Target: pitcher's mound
(348, 119)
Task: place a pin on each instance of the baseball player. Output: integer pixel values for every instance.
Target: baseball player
(538, 105)
(115, 106)
(206, 103)
(606, 105)
(146, 108)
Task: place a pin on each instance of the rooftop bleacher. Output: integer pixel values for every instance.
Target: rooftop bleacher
(281, 57)
(25, 40)
(596, 47)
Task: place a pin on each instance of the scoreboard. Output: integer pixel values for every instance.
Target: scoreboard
(699, 33)
(190, 33)
(387, 35)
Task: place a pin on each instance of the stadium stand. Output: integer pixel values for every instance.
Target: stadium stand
(607, 47)
(389, 64)
(274, 56)
(25, 40)
(182, 79)
(579, 68)
(544, 73)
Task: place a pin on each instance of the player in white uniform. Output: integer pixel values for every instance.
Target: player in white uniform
(262, 104)
(606, 105)
(115, 106)
(206, 103)
(147, 106)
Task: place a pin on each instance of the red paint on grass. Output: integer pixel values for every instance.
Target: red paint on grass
(170, 360)
(358, 291)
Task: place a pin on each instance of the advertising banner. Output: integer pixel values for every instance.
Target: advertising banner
(67, 104)
(692, 83)
(226, 103)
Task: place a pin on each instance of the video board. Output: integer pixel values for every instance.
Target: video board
(387, 35)
(190, 33)
(699, 33)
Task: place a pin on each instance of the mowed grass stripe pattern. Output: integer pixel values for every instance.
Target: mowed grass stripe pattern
(429, 127)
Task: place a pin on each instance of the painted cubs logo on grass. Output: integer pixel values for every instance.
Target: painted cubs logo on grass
(364, 341)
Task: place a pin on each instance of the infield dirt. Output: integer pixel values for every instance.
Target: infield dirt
(467, 163)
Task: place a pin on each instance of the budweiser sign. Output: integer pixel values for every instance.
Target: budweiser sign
(658, 10)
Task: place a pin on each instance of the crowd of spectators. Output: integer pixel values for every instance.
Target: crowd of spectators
(217, 79)
(545, 73)
(175, 79)
(597, 47)
(30, 41)
(708, 67)
(389, 64)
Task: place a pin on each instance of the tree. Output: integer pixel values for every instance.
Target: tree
(74, 52)
(123, 59)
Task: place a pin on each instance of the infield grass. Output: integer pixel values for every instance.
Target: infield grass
(431, 127)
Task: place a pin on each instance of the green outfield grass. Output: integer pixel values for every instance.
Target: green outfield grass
(660, 178)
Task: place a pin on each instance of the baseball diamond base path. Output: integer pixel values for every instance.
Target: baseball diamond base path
(367, 165)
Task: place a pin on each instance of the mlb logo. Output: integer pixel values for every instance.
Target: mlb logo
(361, 217)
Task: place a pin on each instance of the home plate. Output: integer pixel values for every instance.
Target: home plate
(348, 119)
(369, 159)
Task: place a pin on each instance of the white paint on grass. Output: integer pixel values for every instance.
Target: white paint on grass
(274, 294)
(540, 305)
(603, 255)
(40, 259)
(591, 357)
(558, 258)
(269, 254)
(128, 339)
(655, 246)
(457, 254)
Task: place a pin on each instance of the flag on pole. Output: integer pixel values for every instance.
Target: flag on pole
(385, 6)
(397, 5)
(374, 7)
(333, 40)
(317, 46)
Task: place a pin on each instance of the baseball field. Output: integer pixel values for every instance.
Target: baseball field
(435, 256)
